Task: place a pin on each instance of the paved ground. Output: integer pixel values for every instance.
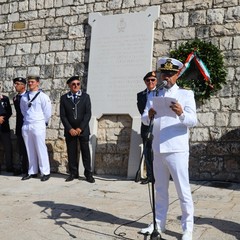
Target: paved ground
(108, 209)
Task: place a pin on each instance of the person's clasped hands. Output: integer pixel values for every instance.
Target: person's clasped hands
(75, 132)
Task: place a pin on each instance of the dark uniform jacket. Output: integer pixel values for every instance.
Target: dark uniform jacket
(6, 111)
(76, 115)
(19, 116)
(141, 104)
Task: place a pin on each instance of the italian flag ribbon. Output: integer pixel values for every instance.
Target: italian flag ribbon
(199, 63)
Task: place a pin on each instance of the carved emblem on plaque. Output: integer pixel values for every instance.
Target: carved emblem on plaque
(121, 25)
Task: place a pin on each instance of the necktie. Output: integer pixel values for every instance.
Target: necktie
(74, 98)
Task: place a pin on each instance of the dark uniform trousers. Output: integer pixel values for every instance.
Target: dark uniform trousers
(23, 158)
(22, 164)
(5, 133)
(73, 144)
(148, 153)
(6, 141)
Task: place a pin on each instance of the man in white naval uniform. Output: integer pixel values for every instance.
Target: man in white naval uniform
(171, 146)
(36, 109)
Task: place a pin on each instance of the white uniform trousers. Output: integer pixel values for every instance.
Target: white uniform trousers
(175, 164)
(34, 136)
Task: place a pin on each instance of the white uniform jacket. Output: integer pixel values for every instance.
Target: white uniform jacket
(40, 109)
(171, 134)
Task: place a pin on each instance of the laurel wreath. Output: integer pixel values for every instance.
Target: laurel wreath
(192, 77)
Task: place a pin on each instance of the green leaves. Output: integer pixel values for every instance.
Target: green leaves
(192, 77)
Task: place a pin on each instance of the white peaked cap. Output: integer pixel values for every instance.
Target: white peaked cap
(168, 64)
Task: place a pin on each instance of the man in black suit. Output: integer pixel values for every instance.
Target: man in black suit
(5, 134)
(150, 79)
(75, 114)
(22, 166)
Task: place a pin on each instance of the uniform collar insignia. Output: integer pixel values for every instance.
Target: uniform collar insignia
(78, 94)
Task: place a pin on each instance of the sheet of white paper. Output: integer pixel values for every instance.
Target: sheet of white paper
(162, 106)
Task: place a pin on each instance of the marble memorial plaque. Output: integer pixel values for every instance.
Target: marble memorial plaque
(121, 52)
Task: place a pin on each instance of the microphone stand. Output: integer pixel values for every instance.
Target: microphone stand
(149, 136)
(155, 234)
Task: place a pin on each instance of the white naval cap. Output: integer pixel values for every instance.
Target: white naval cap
(166, 64)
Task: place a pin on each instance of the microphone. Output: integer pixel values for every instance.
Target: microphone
(161, 85)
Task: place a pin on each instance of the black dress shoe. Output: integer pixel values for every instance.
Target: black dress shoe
(90, 179)
(70, 178)
(45, 177)
(28, 176)
(146, 181)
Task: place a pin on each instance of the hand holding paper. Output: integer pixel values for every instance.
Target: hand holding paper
(162, 106)
(177, 108)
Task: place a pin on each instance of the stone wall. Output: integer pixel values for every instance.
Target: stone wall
(51, 38)
(113, 139)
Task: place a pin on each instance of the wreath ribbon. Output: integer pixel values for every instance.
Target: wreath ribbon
(200, 65)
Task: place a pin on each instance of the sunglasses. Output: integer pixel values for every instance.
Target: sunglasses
(75, 84)
(150, 79)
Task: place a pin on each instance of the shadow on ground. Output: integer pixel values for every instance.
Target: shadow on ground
(63, 213)
(224, 226)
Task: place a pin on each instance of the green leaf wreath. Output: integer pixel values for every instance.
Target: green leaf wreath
(192, 77)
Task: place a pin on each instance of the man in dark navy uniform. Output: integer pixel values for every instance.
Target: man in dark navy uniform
(5, 134)
(75, 114)
(22, 166)
(150, 80)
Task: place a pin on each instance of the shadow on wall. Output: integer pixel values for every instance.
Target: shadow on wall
(217, 160)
